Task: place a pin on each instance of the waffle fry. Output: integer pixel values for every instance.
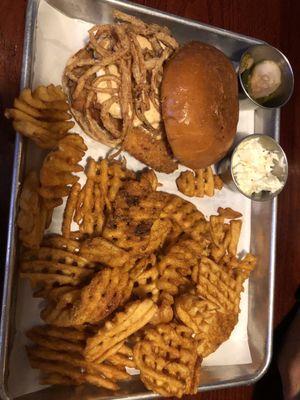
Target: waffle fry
(58, 353)
(203, 317)
(48, 267)
(134, 223)
(61, 243)
(32, 216)
(137, 200)
(220, 235)
(87, 206)
(123, 357)
(225, 237)
(217, 331)
(219, 286)
(239, 267)
(138, 238)
(107, 290)
(91, 203)
(41, 115)
(103, 182)
(60, 339)
(186, 217)
(199, 183)
(158, 235)
(164, 313)
(134, 191)
(229, 213)
(52, 294)
(117, 174)
(144, 275)
(135, 316)
(168, 361)
(176, 266)
(234, 231)
(247, 265)
(102, 251)
(56, 174)
(70, 210)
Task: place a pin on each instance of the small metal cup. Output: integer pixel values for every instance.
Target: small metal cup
(225, 171)
(282, 95)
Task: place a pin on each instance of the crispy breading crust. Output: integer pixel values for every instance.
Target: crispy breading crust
(150, 150)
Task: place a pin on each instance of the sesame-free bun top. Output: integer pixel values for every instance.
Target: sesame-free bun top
(199, 104)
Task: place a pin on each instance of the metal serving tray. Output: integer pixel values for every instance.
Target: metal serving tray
(263, 222)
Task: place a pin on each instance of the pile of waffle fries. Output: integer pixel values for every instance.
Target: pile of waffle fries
(138, 278)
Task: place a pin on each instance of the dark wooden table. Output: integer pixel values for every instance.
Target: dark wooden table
(275, 21)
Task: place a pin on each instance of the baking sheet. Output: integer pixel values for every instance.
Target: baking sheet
(57, 38)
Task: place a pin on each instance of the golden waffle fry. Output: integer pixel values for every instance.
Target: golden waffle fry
(144, 275)
(216, 284)
(104, 252)
(199, 183)
(239, 267)
(70, 210)
(56, 174)
(117, 174)
(88, 206)
(168, 361)
(89, 211)
(107, 290)
(217, 331)
(218, 231)
(54, 337)
(147, 208)
(176, 266)
(229, 213)
(220, 236)
(134, 222)
(186, 216)
(138, 238)
(123, 357)
(164, 313)
(137, 201)
(58, 353)
(33, 217)
(59, 242)
(49, 267)
(247, 264)
(135, 316)
(234, 231)
(218, 183)
(53, 293)
(225, 237)
(137, 206)
(77, 235)
(41, 115)
(158, 235)
(203, 317)
(174, 235)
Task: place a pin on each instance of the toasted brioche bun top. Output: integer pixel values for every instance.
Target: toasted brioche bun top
(199, 104)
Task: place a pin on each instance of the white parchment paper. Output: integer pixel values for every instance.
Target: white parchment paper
(57, 38)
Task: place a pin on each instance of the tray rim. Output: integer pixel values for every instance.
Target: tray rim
(7, 297)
